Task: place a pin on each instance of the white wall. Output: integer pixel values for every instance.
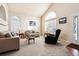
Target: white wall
(24, 21)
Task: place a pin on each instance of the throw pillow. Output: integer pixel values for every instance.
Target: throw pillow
(7, 35)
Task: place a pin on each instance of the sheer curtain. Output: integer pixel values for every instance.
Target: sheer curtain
(15, 24)
(50, 23)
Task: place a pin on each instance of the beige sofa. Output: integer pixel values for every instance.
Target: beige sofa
(8, 44)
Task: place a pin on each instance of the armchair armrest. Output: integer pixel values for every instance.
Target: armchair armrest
(52, 35)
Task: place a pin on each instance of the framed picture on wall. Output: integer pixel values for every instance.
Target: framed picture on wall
(32, 23)
(63, 20)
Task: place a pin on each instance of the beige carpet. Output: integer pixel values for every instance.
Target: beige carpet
(38, 49)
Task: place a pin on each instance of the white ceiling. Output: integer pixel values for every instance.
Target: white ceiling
(31, 9)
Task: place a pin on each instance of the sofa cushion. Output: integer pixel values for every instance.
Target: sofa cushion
(1, 35)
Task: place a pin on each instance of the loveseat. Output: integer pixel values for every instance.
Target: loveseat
(8, 43)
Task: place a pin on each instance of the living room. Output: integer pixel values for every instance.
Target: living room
(39, 19)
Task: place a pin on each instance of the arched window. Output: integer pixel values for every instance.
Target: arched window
(2, 12)
(3, 22)
(50, 22)
(50, 15)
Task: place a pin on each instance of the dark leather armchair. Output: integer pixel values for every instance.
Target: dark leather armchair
(52, 39)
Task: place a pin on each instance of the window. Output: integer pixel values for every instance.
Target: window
(3, 25)
(50, 15)
(15, 24)
(75, 27)
(50, 22)
(3, 21)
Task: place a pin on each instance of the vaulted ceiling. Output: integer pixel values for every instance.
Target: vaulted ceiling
(30, 9)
